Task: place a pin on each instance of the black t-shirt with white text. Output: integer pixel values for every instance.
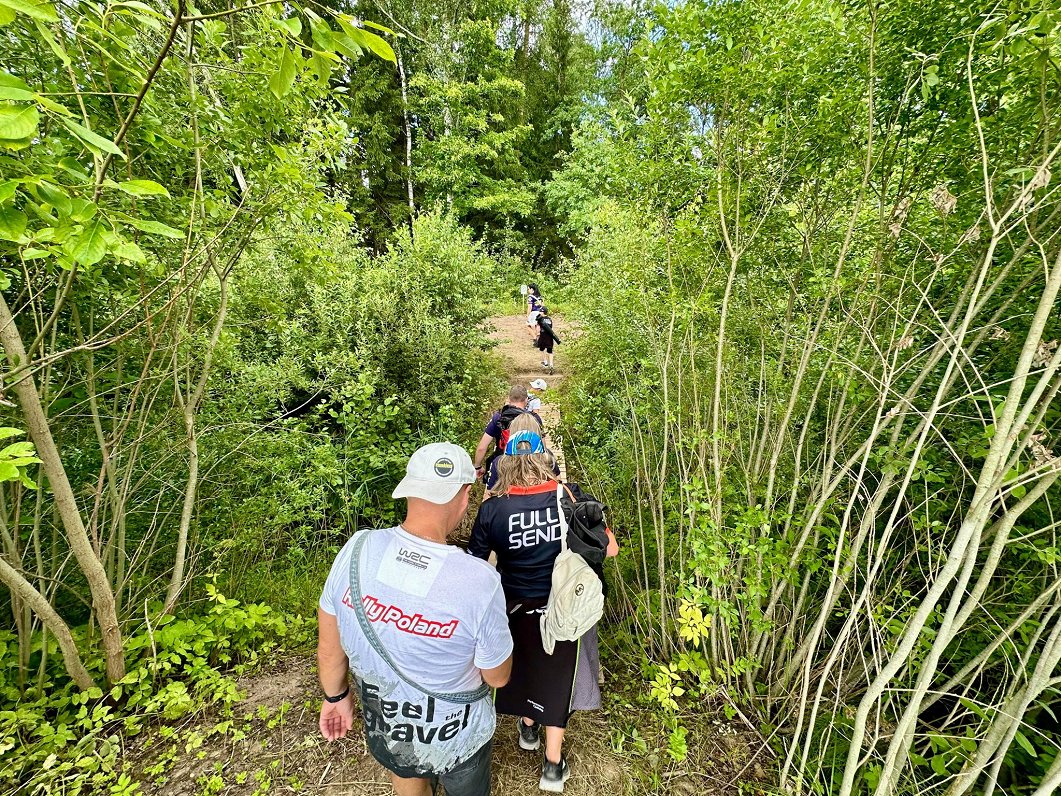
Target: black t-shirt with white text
(523, 528)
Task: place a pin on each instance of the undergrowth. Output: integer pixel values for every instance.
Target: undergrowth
(55, 739)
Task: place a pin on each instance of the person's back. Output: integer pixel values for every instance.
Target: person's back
(422, 626)
(496, 432)
(523, 528)
(427, 603)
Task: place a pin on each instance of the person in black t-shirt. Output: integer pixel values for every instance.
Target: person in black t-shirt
(547, 336)
(521, 524)
(525, 422)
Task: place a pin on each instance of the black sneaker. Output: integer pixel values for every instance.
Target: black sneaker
(554, 775)
(528, 736)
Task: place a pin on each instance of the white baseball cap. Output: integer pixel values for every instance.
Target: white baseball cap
(435, 473)
(539, 384)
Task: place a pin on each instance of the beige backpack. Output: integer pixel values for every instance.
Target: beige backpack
(576, 599)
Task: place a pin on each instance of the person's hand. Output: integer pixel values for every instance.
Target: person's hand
(337, 718)
(479, 471)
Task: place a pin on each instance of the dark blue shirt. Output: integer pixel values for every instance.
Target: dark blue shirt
(493, 428)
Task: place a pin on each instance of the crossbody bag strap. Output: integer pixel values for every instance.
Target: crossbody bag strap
(563, 515)
(456, 697)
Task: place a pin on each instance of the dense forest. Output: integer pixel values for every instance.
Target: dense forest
(248, 254)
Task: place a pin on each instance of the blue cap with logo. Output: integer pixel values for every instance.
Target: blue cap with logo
(524, 442)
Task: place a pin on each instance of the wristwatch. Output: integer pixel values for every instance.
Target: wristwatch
(338, 698)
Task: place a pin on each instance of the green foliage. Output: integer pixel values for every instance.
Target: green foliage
(747, 273)
(72, 741)
(15, 458)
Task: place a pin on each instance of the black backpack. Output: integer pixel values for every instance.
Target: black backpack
(547, 324)
(587, 532)
(508, 414)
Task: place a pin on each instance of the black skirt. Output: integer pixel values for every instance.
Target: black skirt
(541, 685)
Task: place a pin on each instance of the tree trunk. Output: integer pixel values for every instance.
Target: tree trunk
(25, 390)
(190, 406)
(408, 138)
(36, 601)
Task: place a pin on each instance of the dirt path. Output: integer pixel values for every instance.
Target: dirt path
(273, 744)
(524, 361)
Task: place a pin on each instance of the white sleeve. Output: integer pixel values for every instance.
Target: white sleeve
(493, 642)
(337, 583)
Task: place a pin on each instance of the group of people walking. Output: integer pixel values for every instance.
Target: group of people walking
(431, 633)
(540, 326)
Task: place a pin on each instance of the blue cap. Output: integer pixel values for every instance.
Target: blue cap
(524, 442)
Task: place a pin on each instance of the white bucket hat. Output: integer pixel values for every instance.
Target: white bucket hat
(539, 384)
(435, 473)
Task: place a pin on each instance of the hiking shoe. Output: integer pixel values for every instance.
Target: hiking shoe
(554, 775)
(528, 736)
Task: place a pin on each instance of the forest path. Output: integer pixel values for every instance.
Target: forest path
(277, 746)
(524, 366)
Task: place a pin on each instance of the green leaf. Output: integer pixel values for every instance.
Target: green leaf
(13, 93)
(292, 25)
(82, 210)
(12, 224)
(7, 432)
(35, 254)
(89, 247)
(92, 141)
(43, 11)
(347, 46)
(322, 34)
(17, 450)
(11, 81)
(284, 77)
(54, 196)
(144, 7)
(377, 26)
(939, 765)
(7, 16)
(156, 228)
(370, 41)
(73, 168)
(18, 122)
(130, 251)
(51, 105)
(321, 66)
(143, 188)
(55, 46)
(7, 190)
(1025, 744)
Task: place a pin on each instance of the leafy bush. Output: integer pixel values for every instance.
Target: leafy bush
(63, 740)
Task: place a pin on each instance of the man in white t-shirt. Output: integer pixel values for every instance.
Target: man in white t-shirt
(438, 615)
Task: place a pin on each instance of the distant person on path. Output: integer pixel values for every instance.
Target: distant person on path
(492, 443)
(534, 401)
(522, 526)
(534, 306)
(546, 338)
(422, 628)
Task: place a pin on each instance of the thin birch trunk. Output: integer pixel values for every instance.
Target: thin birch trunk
(25, 389)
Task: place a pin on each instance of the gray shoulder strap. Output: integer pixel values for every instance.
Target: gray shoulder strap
(456, 697)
